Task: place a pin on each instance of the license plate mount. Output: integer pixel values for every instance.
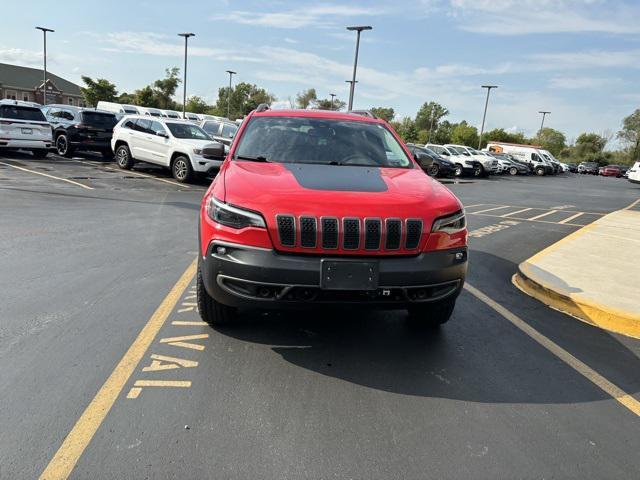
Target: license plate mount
(27, 131)
(348, 275)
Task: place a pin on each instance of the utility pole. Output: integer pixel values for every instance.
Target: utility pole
(44, 84)
(544, 114)
(358, 29)
(332, 97)
(184, 81)
(231, 74)
(433, 116)
(484, 116)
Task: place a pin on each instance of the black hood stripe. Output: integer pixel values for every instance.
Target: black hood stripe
(338, 178)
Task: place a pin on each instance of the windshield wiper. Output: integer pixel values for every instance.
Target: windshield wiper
(259, 158)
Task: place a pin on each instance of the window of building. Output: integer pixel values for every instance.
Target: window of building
(26, 97)
(70, 101)
(11, 95)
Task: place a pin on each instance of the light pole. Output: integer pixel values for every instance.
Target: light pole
(231, 74)
(358, 29)
(332, 95)
(44, 84)
(544, 114)
(184, 81)
(484, 116)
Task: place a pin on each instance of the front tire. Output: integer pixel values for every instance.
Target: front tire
(540, 171)
(123, 157)
(182, 170)
(40, 152)
(433, 170)
(211, 311)
(432, 314)
(513, 171)
(62, 146)
(458, 170)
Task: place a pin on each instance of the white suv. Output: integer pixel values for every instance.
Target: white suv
(489, 164)
(177, 144)
(24, 126)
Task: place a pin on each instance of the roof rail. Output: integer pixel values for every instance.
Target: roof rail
(364, 113)
(263, 107)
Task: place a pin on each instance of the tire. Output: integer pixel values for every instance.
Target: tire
(40, 152)
(123, 157)
(457, 172)
(540, 171)
(62, 146)
(513, 171)
(211, 311)
(432, 314)
(182, 170)
(433, 170)
(477, 171)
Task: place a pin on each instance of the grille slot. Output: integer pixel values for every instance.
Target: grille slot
(329, 230)
(372, 234)
(287, 230)
(394, 234)
(414, 232)
(351, 232)
(308, 232)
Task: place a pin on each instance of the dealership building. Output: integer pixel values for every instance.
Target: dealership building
(25, 83)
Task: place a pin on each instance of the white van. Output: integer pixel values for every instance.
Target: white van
(634, 173)
(170, 114)
(120, 108)
(525, 153)
(150, 112)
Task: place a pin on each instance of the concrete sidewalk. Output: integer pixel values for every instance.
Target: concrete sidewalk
(592, 274)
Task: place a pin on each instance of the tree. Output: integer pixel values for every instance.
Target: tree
(196, 104)
(406, 128)
(244, 98)
(306, 98)
(165, 88)
(126, 98)
(146, 97)
(552, 140)
(501, 135)
(97, 90)
(325, 104)
(443, 133)
(465, 134)
(386, 113)
(630, 134)
(429, 116)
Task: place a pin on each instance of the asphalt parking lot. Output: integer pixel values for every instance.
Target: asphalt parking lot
(101, 343)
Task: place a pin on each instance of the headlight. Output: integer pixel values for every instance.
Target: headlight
(231, 216)
(450, 224)
(197, 151)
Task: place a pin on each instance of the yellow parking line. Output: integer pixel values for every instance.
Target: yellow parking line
(590, 374)
(137, 174)
(49, 176)
(542, 215)
(65, 459)
(572, 217)
(516, 212)
(629, 207)
(491, 209)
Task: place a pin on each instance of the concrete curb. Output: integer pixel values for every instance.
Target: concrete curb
(601, 316)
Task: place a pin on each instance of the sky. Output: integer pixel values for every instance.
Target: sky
(579, 59)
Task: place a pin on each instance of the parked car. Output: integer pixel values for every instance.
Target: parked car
(78, 128)
(117, 108)
(573, 167)
(179, 145)
(151, 112)
(295, 220)
(489, 164)
(464, 165)
(590, 168)
(23, 126)
(432, 163)
(222, 131)
(633, 175)
(193, 117)
(170, 114)
(611, 171)
(510, 165)
(527, 154)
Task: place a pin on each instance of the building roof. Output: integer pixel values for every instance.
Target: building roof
(30, 78)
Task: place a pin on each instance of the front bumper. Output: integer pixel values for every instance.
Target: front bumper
(205, 165)
(238, 276)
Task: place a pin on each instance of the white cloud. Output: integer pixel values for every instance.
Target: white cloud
(521, 17)
(321, 15)
(589, 59)
(582, 82)
(290, 40)
(20, 56)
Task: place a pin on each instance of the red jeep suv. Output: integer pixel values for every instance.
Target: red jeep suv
(322, 207)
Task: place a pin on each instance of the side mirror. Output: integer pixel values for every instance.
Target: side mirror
(162, 134)
(215, 151)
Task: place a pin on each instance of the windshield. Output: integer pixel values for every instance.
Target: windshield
(130, 110)
(185, 130)
(211, 127)
(173, 115)
(321, 141)
(460, 151)
(101, 120)
(229, 130)
(18, 112)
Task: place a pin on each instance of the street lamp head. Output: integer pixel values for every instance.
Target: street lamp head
(359, 28)
(546, 113)
(44, 29)
(489, 86)
(231, 72)
(186, 35)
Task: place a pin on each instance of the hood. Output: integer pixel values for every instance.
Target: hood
(195, 143)
(335, 191)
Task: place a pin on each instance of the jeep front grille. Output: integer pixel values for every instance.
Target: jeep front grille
(331, 233)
